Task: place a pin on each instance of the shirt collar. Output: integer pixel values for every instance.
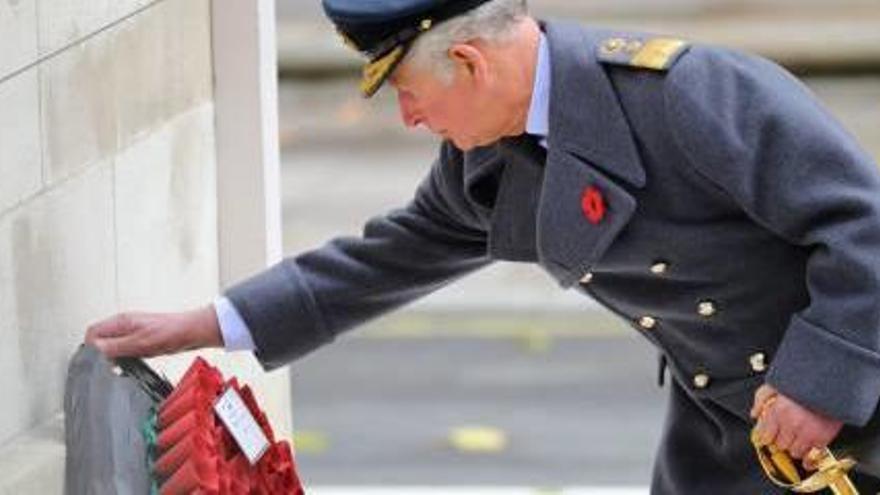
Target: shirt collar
(538, 120)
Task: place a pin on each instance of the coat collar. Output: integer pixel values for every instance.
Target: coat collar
(535, 213)
(585, 114)
(590, 142)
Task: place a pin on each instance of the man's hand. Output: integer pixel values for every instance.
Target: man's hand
(790, 426)
(155, 334)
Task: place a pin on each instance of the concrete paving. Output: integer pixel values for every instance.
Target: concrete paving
(470, 490)
(573, 412)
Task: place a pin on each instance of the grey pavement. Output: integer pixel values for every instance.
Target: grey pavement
(570, 386)
(579, 412)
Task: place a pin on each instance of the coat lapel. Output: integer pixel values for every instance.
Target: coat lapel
(504, 183)
(513, 225)
(590, 146)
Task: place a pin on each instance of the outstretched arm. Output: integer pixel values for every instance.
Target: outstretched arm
(305, 301)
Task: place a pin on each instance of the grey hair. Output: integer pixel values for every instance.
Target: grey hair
(492, 22)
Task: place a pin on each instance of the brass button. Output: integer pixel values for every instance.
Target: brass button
(613, 45)
(660, 268)
(707, 309)
(702, 380)
(758, 362)
(648, 322)
(587, 278)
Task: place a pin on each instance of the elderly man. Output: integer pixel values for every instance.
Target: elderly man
(701, 194)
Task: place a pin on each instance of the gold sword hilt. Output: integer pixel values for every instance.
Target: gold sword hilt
(783, 471)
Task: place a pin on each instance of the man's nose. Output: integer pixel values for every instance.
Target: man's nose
(408, 114)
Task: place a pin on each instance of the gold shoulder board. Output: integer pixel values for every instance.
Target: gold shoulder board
(653, 54)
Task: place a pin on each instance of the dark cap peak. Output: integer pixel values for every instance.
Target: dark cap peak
(384, 30)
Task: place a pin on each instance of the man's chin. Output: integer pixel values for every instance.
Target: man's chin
(470, 144)
(459, 144)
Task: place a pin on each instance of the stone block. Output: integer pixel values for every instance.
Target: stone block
(57, 275)
(79, 108)
(166, 216)
(101, 95)
(34, 463)
(163, 65)
(20, 157)
(65, 22)
(18, 30)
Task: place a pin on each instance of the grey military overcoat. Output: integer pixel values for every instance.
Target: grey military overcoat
(712, 202)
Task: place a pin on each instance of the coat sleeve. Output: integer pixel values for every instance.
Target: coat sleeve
(305, 301)
(760, 137)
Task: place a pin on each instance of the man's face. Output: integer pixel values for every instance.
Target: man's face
(462, 112)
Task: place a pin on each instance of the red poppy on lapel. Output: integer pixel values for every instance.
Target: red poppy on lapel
(593, 205)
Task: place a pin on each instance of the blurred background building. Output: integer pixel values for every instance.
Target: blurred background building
(139, 169)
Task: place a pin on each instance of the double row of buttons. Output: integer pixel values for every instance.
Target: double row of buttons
(705, 308)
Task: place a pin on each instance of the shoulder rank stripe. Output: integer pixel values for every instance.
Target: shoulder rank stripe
(654, 54)
(658, 53)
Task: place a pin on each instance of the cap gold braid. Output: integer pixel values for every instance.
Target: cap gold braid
(378, 70)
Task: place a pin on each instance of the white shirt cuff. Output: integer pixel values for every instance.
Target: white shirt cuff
(236, 335)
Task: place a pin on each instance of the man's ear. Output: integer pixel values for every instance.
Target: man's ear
(471, 61)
